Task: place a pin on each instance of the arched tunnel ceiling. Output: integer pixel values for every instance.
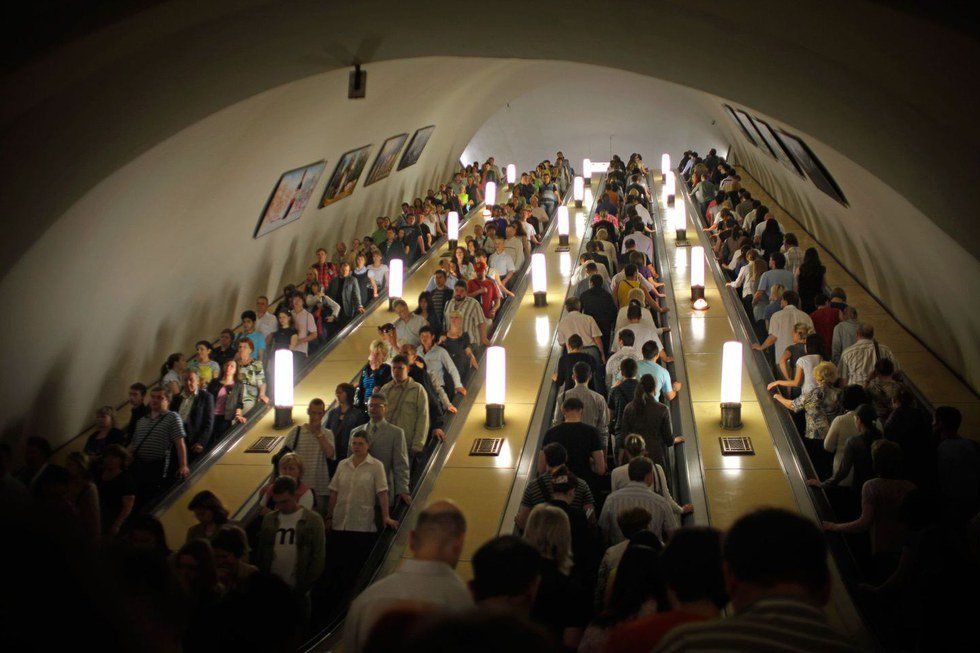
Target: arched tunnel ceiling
(866, 80)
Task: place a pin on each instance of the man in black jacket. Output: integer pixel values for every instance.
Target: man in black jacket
(598, 303)
(195, 405)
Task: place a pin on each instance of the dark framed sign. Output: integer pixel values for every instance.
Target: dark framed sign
(345, 175)
(386, 158)
(415, 146)
(289, 198)
(758, 130)
(774, 144)
(743, 126)
(812, 166)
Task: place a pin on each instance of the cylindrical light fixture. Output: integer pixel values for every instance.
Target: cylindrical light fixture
(664, 164)
(283, 390)
(587, 170)
(697, 278)
(490, 194)
(731, 385)
(679, 218)
(452, 230)
(396, 280)
(578, 191)
(496, 385)
(563, 227)
(670, 188)
(539, 279)
(511, 173)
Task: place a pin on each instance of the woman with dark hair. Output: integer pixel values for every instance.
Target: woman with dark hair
(211, 515)
(171, 371)
(464, 263)
(639, 590)
(771, 240)
(105, 434)
(117, 489)
(198, 576)
(144, 532)
(650, 419)
(83, 494)
(228, 396)
(856, 456)
(342, 419)
(883, 388)
(810, 280)
(424, 309)
(881, 501)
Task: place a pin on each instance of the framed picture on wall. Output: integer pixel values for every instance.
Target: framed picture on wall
(415, 146)
(737, 121)
(386, 158)
(812, 166)
(289, 198)
(345, 175)
(776, 146)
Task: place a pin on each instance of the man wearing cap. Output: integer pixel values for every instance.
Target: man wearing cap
(484, 290)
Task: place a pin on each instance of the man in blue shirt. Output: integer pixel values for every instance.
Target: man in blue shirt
(777, 273)
(664, 388)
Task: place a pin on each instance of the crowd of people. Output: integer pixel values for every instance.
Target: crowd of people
(900, 477)
(348, 471)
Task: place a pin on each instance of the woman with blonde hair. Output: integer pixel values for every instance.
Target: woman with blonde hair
(291, 464)
(608, 248)
(375, 373)
(775, 302)
(562, 605)
(822, 405)
(793, 353)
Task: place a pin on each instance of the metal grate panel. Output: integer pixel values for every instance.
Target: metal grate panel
(265, 444)
(487, 447)
(740, 445)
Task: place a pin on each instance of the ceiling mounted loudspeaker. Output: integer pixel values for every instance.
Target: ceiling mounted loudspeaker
(357, 86)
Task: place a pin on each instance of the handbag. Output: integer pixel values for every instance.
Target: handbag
(286, 448)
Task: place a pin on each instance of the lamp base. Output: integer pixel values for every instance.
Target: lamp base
(670, 201)
(283, 417)
(487, 214)
(697, 292)
(578, 204)
(731, 416)
(540, 299)
(680, 236)
(562, 243)
(453, 244)
(495, 416)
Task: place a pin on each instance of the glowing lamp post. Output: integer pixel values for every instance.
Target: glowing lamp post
(511, 174)
(396, 280)
(664, 164)
(452, 230)
(489, 199)
(283, 398)
(731, 385)
(670, 189)
(679, 218)
(578, 191)
(563, 226)
(697, 278)
(539, 279)
(587, 171)
(496, 386)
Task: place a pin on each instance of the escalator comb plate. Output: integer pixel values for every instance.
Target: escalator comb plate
(265, 444)
(487, 447)
(736, 446)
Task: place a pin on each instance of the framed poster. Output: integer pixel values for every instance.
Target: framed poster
(769, 134)
(289, 198)
(385, 160)
(812, 166)
(738, 121)
(345, 175)
(764, 145)
(415, 146)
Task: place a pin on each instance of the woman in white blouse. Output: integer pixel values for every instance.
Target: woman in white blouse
(805, 365)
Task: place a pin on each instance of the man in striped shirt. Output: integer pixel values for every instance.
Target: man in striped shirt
(155, 437)
(778, 581)
(638, 493)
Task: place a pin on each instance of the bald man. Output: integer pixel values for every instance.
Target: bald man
(426, 581)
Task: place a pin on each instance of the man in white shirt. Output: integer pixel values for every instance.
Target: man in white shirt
(502, 262)
(265, 322)
(641, 243)
(858, 361)
(637, 493)
(845, 334)
(427, 577)
(642, 330)
(584, 325)
(782, 323)
(304, 324)
(625, 349)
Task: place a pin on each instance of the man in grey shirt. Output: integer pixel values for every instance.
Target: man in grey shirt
(595, 411)
(388, 446)
(637, 493)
